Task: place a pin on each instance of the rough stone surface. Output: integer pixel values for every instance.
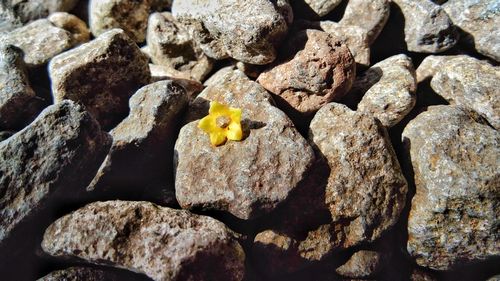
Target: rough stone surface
(143, 140)
(362, 264)
(322, 7)
(472, 83)
(80, 274)
(171, 46)
(371, 16)
(366, 189)
(454, 215)
(18, 103)
(159, 73)
(163, 243)
(428, 29)
(15, 13)
(480, 21)
(252, 36)
(246, 178)
(101, 74)
(56, 154)
(78, 28)
(40, 41)
(320, 72)
(129, 15)
(389, 89)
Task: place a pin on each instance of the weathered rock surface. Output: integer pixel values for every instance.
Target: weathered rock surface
(427, 27)
(366, 189)
(322, 7)
(41, 40)
(102, 75)
(18, 103)
(480, 21)
(388, 89)
(78, 28)
(171, 46)
(159, 73)
(454, 215)
(309, 77)
(362, 264)
(129, 15)
(472, 83)
(163, 243)
(56, 154)
(144, 140)
(371, 16)
(246, 178)
(252, 36)
(81, 274)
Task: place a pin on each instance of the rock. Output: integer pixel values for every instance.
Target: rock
(171, 46)
(54, 157)
(247, 178)
(371, 16)
(82, 274)
(159, 73)
(102, 75)
(160, 5)
(366, 189)
(41, 40)
(143, 142)
(129, 15)
(218, 76)
(163, 243)
(19, 12)
(494, 278)
(79, 31)
(454, 215)
(18, 102)
(418, 274)
(321, 72)
(479, 21)
(362, 264)
(251, 37)
(430, 66)
(388, 89)
(427, 27)
(5, 135)
(321, 7)
(472, 83)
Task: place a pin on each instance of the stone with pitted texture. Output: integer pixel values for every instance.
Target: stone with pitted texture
(362, 264)
(371, 16)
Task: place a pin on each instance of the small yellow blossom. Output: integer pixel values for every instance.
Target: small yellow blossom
(221, 123)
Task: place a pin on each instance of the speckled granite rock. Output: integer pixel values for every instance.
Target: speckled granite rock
(56, 154)
(430, 66)
(142, 141)
(163, 243)
(371, 16)
(101, 74)
(388, 89)
(129, 15)
(362, 264)
(480, 21)
(321, 7)
(247, 178)
(428, 29)
(309, 77)
(454, 215)
(41, 40)
(18, 103)
(247, 30)
(171, 46)
(472, 83)
(366, 189)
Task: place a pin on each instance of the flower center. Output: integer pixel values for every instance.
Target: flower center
(222, 121)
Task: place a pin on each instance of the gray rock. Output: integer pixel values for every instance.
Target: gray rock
(472, 83)
(322, 7)
(454, 214)
(163, 243)
(102, 75)
(80, 274)
(171, 46)
(159, 73)
(129, 15)
(219, 75)
(430, 66)
(247, 30)
(480, 21)
(143, 140)
(5, 135)
(427, 27)
(78, 28)
(40, 40)
(365, 192)
(362, 264)
(246, 178)
(388, 89)
(494, 278)
(371, 16)
(18, 102)
(55, 155)
(317, 69)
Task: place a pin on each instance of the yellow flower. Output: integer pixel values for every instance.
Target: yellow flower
(221, 123)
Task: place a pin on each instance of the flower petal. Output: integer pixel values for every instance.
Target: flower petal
(207, 123)
(217, 108)
(218, 137)
(235, 114)
(234, 131)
